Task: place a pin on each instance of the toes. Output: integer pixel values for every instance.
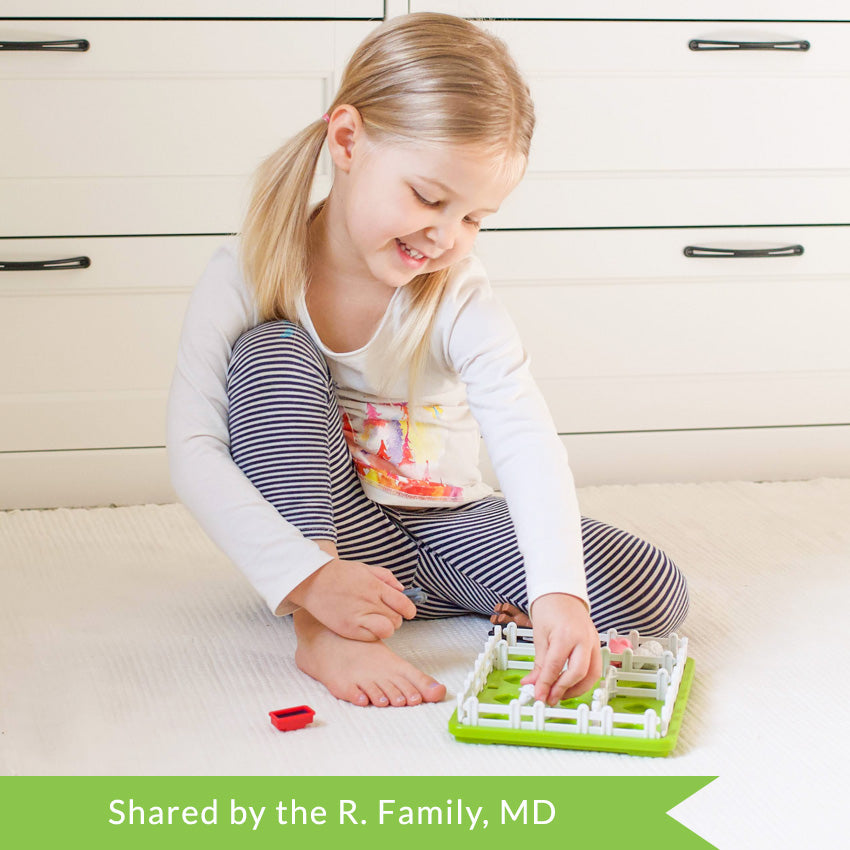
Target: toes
(435, 693)
(423, 688)
(376, 695)
(394, 693)
(404, 686)
(505, 612)
(412, 696)
(353, 695)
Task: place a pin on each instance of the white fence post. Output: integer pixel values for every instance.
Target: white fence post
(514, 713)
(583, 720)
(662, 682)
(650, 723)
(539, 715)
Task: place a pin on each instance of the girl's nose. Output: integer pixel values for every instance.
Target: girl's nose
(443, 235)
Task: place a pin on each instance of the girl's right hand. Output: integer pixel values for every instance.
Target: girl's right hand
(355, 600)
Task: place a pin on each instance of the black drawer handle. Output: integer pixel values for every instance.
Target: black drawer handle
(44, 265)
(703, 44)
(78, 44)
(787, 251)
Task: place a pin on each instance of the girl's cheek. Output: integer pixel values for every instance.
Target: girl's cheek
(456, 253)
(466, 245)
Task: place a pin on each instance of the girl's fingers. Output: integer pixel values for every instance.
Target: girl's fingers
(579, 662)
(549, 674)
(591, 675)
(385, 576)
(582, 687)
(553, 680)
(375, 627)
(547, 667)
(583, 670)
(398, 605)
(576, 672)
(532, 677)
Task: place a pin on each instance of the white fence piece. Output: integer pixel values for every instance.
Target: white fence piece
(502, 652)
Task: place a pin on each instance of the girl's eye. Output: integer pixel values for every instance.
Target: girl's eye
(424, 200)
(427, 203)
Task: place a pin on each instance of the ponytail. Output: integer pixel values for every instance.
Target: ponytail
(275, 243)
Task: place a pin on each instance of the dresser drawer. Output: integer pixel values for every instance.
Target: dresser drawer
(636, 129)
(155, 128)
(627, 333)
(648, 10)
(367, 9)
(93, 348)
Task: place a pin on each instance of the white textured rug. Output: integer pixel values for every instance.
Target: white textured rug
(129, 645)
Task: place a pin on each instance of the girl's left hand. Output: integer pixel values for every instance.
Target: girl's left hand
(563, 634)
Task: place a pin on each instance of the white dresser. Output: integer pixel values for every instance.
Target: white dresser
(129, 157)
(658, 364)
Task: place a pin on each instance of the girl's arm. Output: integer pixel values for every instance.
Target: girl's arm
(273, 554)
(355, 600)
(530, 460)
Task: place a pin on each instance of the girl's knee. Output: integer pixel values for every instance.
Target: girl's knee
(281, 347)
(662, 601)
(673, 599)
(643, 590)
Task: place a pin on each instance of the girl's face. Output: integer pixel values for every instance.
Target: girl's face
(407, 209)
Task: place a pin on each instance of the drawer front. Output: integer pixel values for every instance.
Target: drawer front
(93, 349)
(732, 454)
(636, 129)
(157, 127)
(627, 333)
(700, 10)
(368, 9)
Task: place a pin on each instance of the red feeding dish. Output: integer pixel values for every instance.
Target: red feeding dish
(287, 719)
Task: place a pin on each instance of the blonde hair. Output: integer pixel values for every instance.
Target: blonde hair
(420, 78)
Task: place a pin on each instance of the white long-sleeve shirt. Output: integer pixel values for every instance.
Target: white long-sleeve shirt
(420, 455)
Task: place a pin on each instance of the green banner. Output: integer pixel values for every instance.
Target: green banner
(353, 812)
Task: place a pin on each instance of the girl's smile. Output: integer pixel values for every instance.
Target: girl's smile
(410, 256)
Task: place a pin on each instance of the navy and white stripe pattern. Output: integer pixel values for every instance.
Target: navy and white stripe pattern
(286, 435)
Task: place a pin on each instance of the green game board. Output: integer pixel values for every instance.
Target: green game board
(502, 687)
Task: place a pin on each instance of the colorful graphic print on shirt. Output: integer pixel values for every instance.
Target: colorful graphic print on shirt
(391, 454)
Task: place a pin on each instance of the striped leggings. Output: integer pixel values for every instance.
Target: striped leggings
(286, 436)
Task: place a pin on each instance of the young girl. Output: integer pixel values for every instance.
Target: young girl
(337, 362)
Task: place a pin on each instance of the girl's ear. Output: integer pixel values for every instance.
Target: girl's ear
(345, 130)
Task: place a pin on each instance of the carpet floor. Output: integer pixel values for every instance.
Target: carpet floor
(130, 645)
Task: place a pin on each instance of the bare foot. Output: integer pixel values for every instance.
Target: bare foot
(361, 672)
(504, 613)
